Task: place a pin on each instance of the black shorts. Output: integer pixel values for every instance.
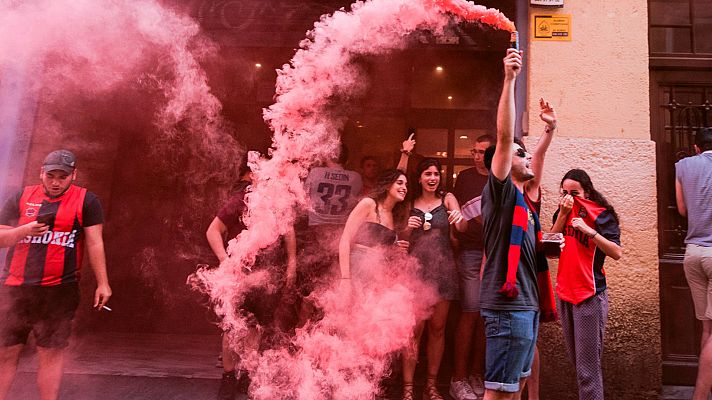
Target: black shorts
(47, 311)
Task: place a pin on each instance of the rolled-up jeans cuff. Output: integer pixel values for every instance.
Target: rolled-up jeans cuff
(502, 387)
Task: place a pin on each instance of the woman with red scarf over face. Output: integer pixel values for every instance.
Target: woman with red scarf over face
(591, 232)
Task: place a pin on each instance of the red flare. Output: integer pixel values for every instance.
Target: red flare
(473, 12)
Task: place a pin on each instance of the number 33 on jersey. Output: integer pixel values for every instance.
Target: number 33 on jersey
(333, 192)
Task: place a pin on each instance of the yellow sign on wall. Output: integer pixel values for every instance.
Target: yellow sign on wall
(551, 27)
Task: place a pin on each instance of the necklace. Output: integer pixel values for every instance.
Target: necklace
(431, 206)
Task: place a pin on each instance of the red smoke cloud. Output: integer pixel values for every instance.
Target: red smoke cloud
(68, 48)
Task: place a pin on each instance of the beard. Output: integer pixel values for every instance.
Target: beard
(522, 175)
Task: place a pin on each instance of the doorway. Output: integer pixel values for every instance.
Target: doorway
(680, 103)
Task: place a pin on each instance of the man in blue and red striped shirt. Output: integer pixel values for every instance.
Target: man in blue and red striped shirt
(39, 284)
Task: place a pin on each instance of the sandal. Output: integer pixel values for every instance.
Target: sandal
(407, 391)
(430, 392)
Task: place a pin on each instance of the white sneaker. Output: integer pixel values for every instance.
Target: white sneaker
(461, 390)
(477, 385)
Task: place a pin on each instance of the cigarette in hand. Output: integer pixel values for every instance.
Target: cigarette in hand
(106, 308)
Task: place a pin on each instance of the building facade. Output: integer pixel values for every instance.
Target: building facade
(599, 83)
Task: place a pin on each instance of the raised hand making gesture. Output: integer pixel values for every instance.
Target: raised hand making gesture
(547, 114)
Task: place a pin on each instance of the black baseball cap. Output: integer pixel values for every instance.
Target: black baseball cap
(63, 160)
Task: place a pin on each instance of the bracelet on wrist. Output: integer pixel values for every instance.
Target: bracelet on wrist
(549, 129)
(594, 235)
(406, 152)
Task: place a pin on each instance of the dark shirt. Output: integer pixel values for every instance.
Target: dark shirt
(92, 213)
(231, 213)
(498, 200)
(468, 186)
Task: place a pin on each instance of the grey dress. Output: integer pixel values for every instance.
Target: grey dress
(434, 252)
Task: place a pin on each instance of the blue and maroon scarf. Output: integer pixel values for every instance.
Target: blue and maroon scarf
(520, 224)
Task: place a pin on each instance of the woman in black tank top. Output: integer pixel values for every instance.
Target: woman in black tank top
(368, 250)
(372, 223)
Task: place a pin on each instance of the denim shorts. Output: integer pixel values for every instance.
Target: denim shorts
(511, 337)
(469, 264)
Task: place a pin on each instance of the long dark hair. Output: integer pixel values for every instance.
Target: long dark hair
(379, 193)
(584, 180)
(416, 188)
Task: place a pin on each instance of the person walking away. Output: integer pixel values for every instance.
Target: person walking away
(693, 191)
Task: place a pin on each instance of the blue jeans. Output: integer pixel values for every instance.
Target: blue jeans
(511, 338)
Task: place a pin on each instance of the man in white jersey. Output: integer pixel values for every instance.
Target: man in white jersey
(333, 192)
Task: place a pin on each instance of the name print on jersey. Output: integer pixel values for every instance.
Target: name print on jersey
(336, 176)
(577, 234)
(64, 239)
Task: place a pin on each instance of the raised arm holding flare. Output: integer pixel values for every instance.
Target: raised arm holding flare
(502, 159)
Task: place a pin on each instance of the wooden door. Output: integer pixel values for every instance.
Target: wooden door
(681, 102)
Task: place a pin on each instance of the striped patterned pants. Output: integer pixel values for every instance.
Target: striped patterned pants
(584, 327)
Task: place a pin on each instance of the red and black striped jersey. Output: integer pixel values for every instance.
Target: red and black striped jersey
(56, 257)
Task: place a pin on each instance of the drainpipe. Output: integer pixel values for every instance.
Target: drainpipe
(521, 124)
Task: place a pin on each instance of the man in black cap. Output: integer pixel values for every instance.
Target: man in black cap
(39, 284)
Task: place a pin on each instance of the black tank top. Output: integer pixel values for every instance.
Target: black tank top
(372, 234)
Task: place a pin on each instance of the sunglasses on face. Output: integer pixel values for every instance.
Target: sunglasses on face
(521, 153)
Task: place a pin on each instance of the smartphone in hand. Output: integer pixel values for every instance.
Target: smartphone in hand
(46, 217)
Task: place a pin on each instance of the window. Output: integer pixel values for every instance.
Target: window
(680, 27)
